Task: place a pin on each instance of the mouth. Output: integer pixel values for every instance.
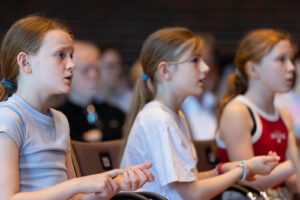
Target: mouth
(201, 80)
(69, 78)
(290, 80)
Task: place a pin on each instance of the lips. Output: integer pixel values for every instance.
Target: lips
(202, 80)
(290, 80)
(69, 78)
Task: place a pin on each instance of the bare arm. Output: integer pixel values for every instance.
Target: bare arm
(9, 170)
(100, 184)
(235, 126)
(292, 183)
(209, 187)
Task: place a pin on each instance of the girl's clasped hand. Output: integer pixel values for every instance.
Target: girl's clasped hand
(106, 184)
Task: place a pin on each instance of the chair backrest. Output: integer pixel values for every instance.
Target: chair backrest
(96, 157)
(207, 154)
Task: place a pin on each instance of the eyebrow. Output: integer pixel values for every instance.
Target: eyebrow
(65, 47)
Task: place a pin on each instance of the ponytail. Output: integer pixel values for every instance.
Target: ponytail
(141, 96)
(237, 84)
(5, 92)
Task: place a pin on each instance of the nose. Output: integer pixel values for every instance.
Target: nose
(94, 72)
(290, 66)
(204, 68)
(70, 64)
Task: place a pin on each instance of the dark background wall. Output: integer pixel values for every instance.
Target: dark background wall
(126, 23)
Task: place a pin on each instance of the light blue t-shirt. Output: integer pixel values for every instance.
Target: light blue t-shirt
(43, 142)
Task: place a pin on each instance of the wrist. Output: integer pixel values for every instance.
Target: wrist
(76, 186)
(245, 169)
(219, 169)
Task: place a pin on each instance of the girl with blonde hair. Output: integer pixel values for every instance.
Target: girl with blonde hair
(173, 69)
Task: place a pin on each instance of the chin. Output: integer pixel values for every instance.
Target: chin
(199, 92)
(65, 90)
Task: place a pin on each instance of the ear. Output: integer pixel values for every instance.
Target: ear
(23, 62)
(251, 70)
(164, 70)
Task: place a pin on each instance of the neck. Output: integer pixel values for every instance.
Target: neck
(106, 92)
(296, 89)
(261, 97)
(170, 99)
(36, 100)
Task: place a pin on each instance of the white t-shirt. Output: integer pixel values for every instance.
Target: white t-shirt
(160, 136)
(43, 142)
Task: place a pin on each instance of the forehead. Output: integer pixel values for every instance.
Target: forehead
(111, 55)
(283, 46)
(191, 47)
(55, 39)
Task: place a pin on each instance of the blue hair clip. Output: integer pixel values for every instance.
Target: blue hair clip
(145, 76)
(8, 84)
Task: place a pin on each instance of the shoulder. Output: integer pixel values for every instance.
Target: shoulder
(235, 119)
(155, 111)
(286, 117)
(154, 117)
(9, 116)
(58, 115)
(235, 109)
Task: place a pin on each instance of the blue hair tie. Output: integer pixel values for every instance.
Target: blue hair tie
(8, 84)
(145, 76)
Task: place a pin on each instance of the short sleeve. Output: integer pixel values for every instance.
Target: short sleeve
(172, 156)
(11, 124)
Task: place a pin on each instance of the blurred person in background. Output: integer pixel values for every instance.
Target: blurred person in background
(115, 87)
(90, 121)
(291, 101)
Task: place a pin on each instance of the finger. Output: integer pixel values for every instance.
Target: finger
(143, 178)
(271, 159)
(270, 167)
(115, 186)
(145, 165)
(103, 190)
(149, 175)
(114, 173)
(133, 179)
(109, 185)
(126, 178)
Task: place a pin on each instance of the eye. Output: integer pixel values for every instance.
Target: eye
(60, 55)
(281, 58)
(195, 60)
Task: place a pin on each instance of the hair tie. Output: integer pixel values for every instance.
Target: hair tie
(144, 76)
(8, 84)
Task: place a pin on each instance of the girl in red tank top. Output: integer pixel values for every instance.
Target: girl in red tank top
(249, 123)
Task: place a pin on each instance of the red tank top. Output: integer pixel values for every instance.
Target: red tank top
(270, 135)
